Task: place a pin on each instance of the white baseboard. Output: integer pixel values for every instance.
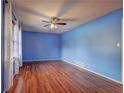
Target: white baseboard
(94, 72)
(39, 60)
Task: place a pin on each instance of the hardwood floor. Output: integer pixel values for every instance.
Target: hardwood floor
(60, 77)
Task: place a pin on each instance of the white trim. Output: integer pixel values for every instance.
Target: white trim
(93, 72)
(5, 90)
(40, 60)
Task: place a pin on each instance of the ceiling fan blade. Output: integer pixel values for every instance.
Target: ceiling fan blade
(46, 25)
(45, 21)
(69, 19)
(61, 23)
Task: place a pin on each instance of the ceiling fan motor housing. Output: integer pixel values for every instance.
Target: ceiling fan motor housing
(55, 20)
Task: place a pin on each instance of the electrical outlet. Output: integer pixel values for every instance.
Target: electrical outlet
(78, 62)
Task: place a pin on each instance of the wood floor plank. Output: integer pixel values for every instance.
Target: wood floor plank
(60, 77)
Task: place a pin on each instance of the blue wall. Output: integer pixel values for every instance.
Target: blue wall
(37, 46)
(94, 45)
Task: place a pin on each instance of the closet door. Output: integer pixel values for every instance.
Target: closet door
(13, 47)
(20, 46)
(8, 59)
(13, 52)
(16, 48)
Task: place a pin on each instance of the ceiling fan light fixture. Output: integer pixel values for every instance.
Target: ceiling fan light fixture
(53, 26)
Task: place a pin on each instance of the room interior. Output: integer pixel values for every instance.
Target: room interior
(62, 46)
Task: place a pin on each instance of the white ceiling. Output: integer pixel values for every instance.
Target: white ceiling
(73, 12)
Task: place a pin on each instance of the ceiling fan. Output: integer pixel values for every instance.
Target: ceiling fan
(55, 21)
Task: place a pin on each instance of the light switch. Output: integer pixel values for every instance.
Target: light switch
(118, 44)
